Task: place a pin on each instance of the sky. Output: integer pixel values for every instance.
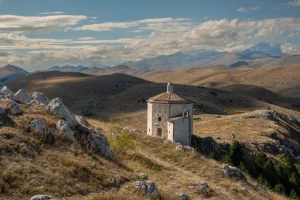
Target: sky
(38, 34)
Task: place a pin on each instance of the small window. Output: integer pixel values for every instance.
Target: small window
(159, 119)
(149, 130)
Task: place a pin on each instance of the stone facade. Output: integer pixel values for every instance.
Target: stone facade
(170, 117)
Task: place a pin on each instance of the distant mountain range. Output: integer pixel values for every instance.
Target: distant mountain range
(68, 68)
(11, 72)
(255, 56)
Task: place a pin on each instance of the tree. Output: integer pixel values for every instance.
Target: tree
(293, 195)
(279, 188)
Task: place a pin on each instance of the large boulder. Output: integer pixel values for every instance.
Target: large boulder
(13, 107)
(39, 98)
(233, 172)
(57, 107)
(6, 92)
(41, 197)
(23, 96)
(38, 126)
(81, 120)
(65, 130)
(100, 145)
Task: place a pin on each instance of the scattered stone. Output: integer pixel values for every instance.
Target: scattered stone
(23, 96)
(142, 176)
(65, 130)
(27, 149)
(149, 187)
(6, 92)
(100, 145)
(57, 107)
(38, 126)
(41, 197)
(260, 187)
(184, 148)
(81, 120)
(233, 172)
(13, 107)
(39, 98)
(182, 196)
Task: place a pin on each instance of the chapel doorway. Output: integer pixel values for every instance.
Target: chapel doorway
(159, 132)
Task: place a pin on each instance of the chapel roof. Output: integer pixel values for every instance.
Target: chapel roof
(169, 97)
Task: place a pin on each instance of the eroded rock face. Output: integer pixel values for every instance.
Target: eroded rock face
(6, 92)
(100, 144)
(39, 98)
(64, 129)
(233, 172)
(23, 96)
(41, 197)
(81, 120)
(38, 126)
(57, 107)
(13, 107)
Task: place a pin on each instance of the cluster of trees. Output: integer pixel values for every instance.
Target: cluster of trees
(283, 177)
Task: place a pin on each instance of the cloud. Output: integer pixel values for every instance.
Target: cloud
(294, 3)
(247, 9)
(37, 24)
(162, 24)
(212, 35)
(51, 13)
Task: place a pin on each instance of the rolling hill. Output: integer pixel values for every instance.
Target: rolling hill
(11, 72)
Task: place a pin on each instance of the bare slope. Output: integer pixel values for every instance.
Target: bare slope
(10, 72)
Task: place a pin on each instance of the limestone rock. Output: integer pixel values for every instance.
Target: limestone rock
(57, 107)
(100, 144)
(182, 196)
(23, 96)
(65, 130)
(142, 176)
(6, 92)
(13, 107)
(27, 149)
(38, 126)
(2, 111)
(41, 197)
(39, 98)
(233, 172)
(149, 187)
(184, 148)
(81, 120)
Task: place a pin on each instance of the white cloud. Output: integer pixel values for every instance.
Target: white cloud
(51, 13)
(247, 9)
(218, 35)
(162, 24)
(37, 24)
(294, 3)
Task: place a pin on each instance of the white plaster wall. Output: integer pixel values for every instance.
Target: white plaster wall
(181, 131)
(170, 131)
(149, 119)
(160, 110)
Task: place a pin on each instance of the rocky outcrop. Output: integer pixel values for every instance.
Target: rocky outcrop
(38, 126)
(39, 98)
(65, 130)
(149, 188)
(184, 148)
(100, 145)
(13, 107)
(23, 96)
(6, 92)
(57, 107)
(233, 172)
(41, 197)
(2, 111)
(81, 120)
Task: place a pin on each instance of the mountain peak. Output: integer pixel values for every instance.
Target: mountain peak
(265, 48)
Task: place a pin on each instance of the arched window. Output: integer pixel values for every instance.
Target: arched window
(186, 113)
